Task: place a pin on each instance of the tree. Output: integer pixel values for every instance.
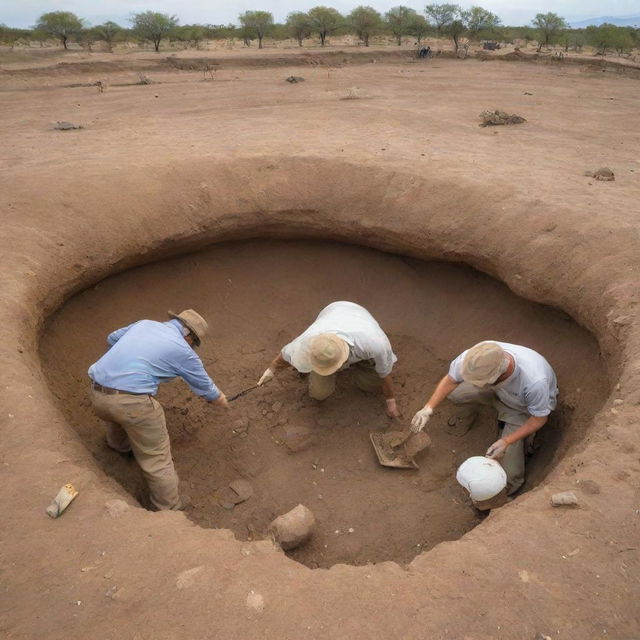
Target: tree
(456, 30)
(108, 32)
(549, 24)
(419, 27)
(299, 25)
(258, 23)
(154, 26)
(365, 21)
(608, 36)
(324, 21)
(480, 20)
(399, 21)
(59, 24)
(442, 15)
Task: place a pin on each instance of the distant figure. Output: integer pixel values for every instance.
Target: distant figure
(425, 52)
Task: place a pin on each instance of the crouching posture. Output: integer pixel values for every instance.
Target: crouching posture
(518, 382)
(124, 381)
(343, 334)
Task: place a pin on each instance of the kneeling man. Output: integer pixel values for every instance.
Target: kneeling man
(343, 334)
(517, 381)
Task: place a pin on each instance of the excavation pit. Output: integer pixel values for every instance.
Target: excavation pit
(259, 294)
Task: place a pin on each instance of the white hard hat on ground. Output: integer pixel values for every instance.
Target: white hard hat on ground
(482, 477)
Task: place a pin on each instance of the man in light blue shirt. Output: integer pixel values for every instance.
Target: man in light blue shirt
(124, 381)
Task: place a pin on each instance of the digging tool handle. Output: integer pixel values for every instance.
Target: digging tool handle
(239, 395)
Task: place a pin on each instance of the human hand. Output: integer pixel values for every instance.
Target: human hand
(497, 449)
(419, 421)
(266, 376)
(392, 408)
(221, 401)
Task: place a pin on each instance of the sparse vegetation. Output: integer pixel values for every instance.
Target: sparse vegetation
(439, 20)
(153, 26)
(61, 25)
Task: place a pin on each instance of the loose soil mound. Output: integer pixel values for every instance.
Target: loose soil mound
(258, 295)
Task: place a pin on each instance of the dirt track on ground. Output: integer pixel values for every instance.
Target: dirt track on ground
(170, 168)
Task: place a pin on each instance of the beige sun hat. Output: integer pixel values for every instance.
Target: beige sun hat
(327, 353)
(483, 363)
(194, 322)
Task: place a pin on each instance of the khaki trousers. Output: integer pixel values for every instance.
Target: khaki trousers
(366, 378)
(136, 423)
(513, 459)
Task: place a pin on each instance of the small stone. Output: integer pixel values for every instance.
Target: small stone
(564, 498)
(111, 592)
(618, 402)
(293, 528)
(116, 508)
(187, 578)
(255, 601)
(351, 529)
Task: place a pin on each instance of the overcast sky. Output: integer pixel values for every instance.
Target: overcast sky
(24, 13)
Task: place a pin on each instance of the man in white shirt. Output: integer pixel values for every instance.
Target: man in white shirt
(343, 334)
(518, 382)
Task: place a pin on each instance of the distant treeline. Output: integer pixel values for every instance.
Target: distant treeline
(320, 23)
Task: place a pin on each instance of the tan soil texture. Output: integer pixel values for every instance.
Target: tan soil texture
(167, 169)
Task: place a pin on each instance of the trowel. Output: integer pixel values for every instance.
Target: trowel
(397, 449)
(242, 393)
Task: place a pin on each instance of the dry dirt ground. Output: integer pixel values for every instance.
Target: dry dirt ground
(258, 202)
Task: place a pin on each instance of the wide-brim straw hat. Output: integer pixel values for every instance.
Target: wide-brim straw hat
(483, 364)
(196, 324)
(327, 353)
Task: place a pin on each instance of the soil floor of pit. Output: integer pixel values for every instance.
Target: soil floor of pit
(258, 295)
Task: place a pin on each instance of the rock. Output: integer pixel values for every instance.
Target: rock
(564, 498)
(116, 508)
(541, 636)
(298, 438)
(492, 118)
(603, 173)
(294, 79)
(63, 125)
(255, 601)
(187, 578)
(242, 489)
(293, 528)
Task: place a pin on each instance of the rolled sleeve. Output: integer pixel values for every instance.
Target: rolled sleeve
(193, 373)
(455, 368)
(538, 399)
(384, 362)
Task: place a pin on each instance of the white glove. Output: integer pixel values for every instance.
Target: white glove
(266, 376)
(419, 421)
(497, 449)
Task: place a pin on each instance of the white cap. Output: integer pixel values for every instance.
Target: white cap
(482, 477)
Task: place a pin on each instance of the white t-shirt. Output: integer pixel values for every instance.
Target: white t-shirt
(531, 388)
(357, 327)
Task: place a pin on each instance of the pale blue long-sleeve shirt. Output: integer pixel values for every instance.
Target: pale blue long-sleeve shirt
(147, 353)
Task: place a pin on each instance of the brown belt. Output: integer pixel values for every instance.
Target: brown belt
(109, 391)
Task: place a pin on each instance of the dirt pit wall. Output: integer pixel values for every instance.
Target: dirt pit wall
(138, 216)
